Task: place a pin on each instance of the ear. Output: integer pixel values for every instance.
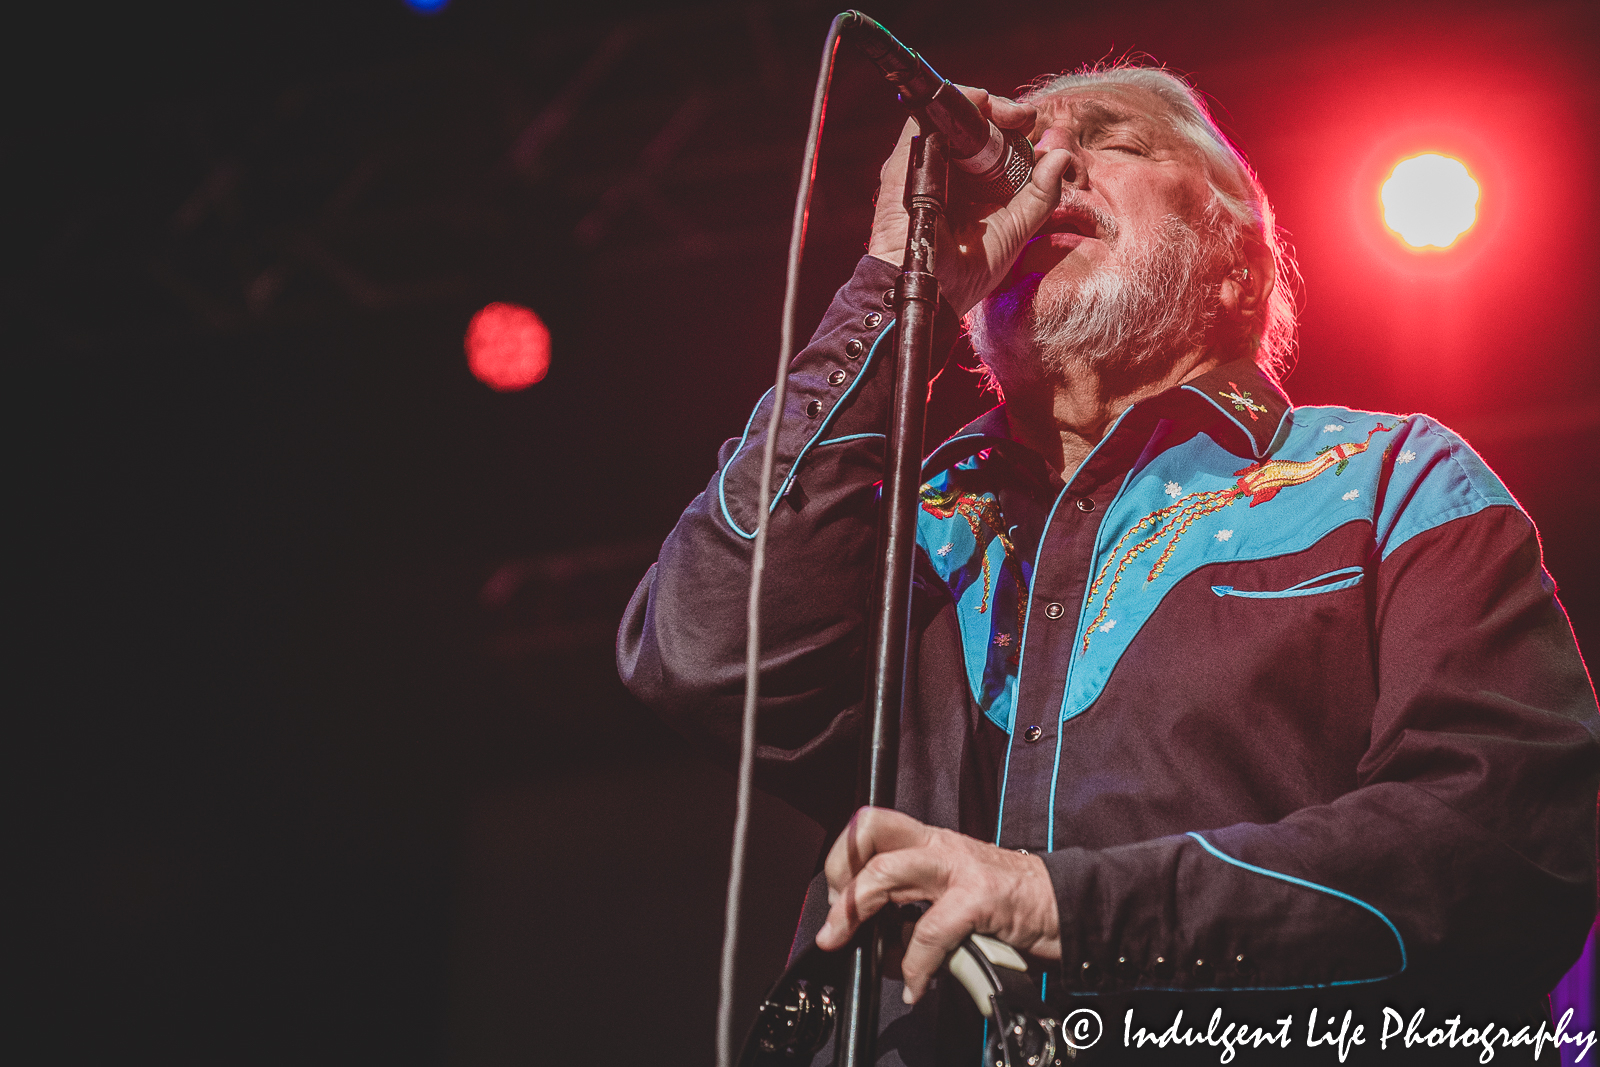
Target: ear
(1247, 287)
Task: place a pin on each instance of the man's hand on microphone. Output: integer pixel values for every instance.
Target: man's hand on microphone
(885, 856)
(974, 252)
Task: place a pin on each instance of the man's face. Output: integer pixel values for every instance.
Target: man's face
(1122, 279)
(1131, 173)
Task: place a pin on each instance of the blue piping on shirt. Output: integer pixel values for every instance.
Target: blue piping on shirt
(849, 437)
(1209, 847)
(1291, 879)
(950, 441)
(1256, 452)
(1050, 812)
(1309, 587)
(1027, 617)
(783, 487)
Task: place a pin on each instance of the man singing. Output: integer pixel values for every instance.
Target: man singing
(1212, 700)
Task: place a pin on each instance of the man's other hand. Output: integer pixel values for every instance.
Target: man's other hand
(884, 856)
(980, 243)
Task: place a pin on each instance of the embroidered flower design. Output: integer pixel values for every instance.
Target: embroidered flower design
(1351, 495)
(945, 550)
(1002, 640)
(1223, 535)
(1106, 628)
(1242, 402)
(1174, 490)
(1405, 457)
(1333, 427)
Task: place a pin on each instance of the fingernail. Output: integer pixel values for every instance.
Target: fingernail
(905, 995)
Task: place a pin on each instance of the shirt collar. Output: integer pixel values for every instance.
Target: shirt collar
(1248, 405)
(1236, 403)
(987, 431)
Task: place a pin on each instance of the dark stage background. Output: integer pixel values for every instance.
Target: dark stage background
(323, 756)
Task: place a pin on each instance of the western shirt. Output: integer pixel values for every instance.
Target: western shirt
(1281, 695)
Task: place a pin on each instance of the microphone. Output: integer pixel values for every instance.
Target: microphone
(994, 164)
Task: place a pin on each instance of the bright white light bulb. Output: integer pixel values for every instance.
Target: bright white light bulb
(1430, 200)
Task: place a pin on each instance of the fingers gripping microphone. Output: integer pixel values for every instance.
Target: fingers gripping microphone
(995, 164)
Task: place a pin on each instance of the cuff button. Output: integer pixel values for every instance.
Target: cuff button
(853, 348)
(836, 378)
(813, 408)
(873, 320)
(888, 298)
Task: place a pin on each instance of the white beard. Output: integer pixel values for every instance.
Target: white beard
(1125, 325)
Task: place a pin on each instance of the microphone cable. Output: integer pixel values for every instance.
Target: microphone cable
(758, 557)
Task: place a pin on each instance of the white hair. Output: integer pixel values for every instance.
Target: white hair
(1239, 210)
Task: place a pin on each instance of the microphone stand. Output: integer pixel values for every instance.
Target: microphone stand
(916, 305)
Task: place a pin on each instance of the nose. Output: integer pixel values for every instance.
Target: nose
(1077, 173)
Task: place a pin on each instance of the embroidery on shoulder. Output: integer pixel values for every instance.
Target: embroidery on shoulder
(1241, 402)
(1260, 482)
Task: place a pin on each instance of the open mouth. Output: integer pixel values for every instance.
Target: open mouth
(1069, 225)
(1063, 232)
(1070, 222)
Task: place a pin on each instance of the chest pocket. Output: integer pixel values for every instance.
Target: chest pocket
(1333, 581)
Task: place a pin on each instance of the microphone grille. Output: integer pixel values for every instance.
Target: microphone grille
(1007, 177)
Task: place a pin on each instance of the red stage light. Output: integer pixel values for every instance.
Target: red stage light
(1430, 200)
(508, 348)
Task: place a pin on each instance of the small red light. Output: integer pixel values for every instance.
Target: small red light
(508, 348)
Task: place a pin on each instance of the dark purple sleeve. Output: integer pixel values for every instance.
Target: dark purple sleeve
(681, 648)
(1465, 857)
